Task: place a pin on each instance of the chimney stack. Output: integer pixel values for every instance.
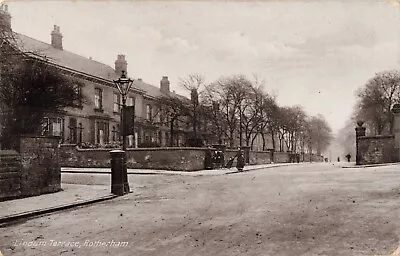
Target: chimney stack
(5, 17)
(56, 38)
(164, 85)
(121, 65)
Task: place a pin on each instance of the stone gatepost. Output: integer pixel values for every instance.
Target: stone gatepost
(360, 131)
(40, 165)
(396, 128)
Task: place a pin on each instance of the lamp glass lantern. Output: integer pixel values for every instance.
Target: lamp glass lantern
(123, 85)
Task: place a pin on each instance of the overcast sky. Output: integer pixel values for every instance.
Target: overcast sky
(311, 53)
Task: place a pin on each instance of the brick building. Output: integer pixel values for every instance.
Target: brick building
(97, 120)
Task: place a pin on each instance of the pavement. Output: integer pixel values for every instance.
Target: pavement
(76, 195)
(71, 195)
(353, 165)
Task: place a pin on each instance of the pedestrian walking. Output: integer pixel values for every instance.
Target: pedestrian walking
(240, 160)
(348, 156)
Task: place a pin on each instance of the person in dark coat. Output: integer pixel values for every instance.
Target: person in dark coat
(240, 160)
(348, 156)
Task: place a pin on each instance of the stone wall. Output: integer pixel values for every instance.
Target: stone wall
(377, 149)
(10, 174)
(260, 157)
(281, 157)
(33, 170)
(40, 162)
(179, 158)
(182, 159)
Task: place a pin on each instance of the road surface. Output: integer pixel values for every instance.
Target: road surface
(310, 209)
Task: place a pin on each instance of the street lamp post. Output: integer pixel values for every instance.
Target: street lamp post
(302, 144)
(123, 85)
(240, 126)
(360, 131)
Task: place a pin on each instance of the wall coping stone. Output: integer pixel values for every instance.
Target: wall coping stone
(39, 136)
(376, 137)
(8, 152)
(135, 149)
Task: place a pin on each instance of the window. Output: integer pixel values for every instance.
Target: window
(73, 130)
(147, 137)
(80, 133)
(117, 105)
(98, 98)
(115, 133)
(45, 126)
(114, 137)
(57, 124)
(161, 116)
(101, 133)
(131, 141)
(130, 101)
(52, 126)
(149, 112)
(78, 90)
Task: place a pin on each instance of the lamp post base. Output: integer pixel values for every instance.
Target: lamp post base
(126, 182)
(117, 175)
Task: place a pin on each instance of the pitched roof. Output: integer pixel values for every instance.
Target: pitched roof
(77, 62)
(64, 58)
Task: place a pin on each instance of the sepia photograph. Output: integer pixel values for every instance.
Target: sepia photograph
(200, 127)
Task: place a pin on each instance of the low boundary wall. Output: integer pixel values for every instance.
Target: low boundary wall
(181, 159)
(377, 149)
(173, 158)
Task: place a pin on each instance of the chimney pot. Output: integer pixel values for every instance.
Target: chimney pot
(5, 16)
(164, 85)
(121, 65)
(56, 38)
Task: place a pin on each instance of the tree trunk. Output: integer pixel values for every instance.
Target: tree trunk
(252, 141)
(273, 139)
(171, 133)
(195, 122)
(263, 141)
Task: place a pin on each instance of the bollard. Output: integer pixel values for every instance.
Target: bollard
(117, 174)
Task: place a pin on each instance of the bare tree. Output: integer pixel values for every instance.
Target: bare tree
(290, 123)
(319, 134)
(230, 93)
(175, 110)
(377, 98)
(194, 83)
